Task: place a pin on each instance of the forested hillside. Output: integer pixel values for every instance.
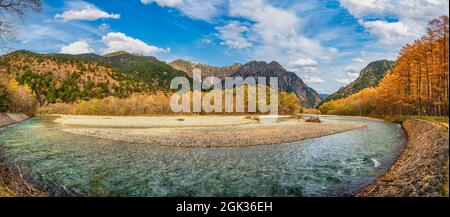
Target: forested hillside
(418, 84)
(68, 78)
(368, 77)
(207, 70)
(156, 74)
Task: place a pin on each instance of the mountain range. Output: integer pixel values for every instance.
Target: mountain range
(67, 78)
(287, 81)
(207, 70)
(370, 76)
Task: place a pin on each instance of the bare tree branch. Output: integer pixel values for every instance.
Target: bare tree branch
(19, 7)
(12, 9)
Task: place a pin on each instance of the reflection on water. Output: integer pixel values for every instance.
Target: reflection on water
(336, 165)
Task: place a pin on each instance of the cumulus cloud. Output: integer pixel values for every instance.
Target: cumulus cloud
(79, 47)
(117, 41)
(313, 80)
(88, 12)
(304, 65)
(195, 9)
(395, 33)
(344, 81)
(232, 35)
(351, 72)
(275, 30)
(413, 17)
(302, 62)
(419, 9)
(168, 3)
(103, 27)
(358, 60)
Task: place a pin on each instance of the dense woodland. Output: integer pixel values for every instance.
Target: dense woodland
(155, 104)
(418, 84)
(16, 98)
(68, 78)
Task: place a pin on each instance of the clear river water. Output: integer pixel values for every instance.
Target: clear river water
(73, 165)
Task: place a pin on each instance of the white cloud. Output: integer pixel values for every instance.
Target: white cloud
(358, 60)
(232, 35)
(344, 81)
(274, 32)
(207, 41)
(117, 41)
(88, 12)
(168, 3)
(313, 80)
(419, 9)
(103, 27)
(307, 65)
(79, 47)
(351, 72)
(395, 33)
(38, 32)
(195, 9)
(303, 62)
(413, 17)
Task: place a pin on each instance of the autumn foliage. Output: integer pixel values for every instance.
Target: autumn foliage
(16, 98)
(418, 84)
(148, 104)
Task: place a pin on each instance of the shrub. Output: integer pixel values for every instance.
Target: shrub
(4, 98)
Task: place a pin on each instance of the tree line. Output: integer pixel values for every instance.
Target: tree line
(16, 98)
(418, 84)
(154, 104)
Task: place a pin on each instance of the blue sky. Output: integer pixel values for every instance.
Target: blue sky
(325, 42)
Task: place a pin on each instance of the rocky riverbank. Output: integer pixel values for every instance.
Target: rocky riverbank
(198, 131)
(12, 182)
(8, 119)
(421, 170)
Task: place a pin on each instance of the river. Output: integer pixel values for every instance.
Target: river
(73, 165)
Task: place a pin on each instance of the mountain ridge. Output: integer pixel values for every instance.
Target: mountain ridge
(369, 76)
(207, 70)
(288, 81)
(136, 73)
(68, 78)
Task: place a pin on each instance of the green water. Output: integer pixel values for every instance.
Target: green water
(73, 165)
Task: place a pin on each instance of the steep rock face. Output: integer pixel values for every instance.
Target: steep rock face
(369, 77)
(207, 70)
(287, 81)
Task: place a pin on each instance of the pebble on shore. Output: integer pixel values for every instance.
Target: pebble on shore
(204, 132)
